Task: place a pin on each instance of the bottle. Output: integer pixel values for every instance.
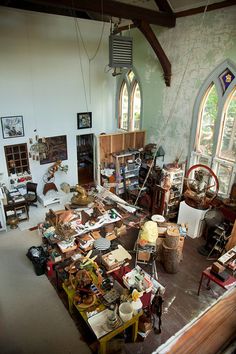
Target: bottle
(137, 306)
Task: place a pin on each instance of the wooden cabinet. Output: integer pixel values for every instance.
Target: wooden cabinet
(16, 158)
(110, 145)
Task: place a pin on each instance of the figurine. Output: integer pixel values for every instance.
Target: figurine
(80, 196)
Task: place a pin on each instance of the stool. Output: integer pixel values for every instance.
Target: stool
(223, 284)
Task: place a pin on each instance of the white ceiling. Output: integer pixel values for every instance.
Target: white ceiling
(176, 5)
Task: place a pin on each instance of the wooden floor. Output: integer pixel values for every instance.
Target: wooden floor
(181, 302)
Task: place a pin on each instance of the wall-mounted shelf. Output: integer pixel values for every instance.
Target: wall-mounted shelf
(17, 155)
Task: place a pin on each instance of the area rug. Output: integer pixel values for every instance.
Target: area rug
(27, 225)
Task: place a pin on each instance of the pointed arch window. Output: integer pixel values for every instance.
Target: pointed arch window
(214, 126)
(129, 102)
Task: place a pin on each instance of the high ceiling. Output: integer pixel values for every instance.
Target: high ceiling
(160, 12)
(136, 13)
(176, 5)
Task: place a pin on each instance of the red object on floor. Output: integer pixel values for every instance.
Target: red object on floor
(49, 268)
(211, 277)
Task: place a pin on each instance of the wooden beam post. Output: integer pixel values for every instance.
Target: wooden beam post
(147, 31)
(111, 8)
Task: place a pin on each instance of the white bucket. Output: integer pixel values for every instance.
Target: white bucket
(126, 311)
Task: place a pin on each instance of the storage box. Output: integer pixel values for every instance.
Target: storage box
(217, 267)
(143, 256)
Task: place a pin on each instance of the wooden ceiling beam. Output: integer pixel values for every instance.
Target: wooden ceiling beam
(108, 7)
(163, 5)
(211, 7)
(147, 31)
(24, 5)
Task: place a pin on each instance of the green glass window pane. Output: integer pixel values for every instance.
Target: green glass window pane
(136, 108)
(228, 138)
(208, 119)
(131, 76)
(204, 161)
(224, 175)
(124, 108)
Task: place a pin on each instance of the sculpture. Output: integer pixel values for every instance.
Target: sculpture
(201, 189)
(50, 175)
(80, 196)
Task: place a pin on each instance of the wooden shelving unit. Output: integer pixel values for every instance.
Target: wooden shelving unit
(109, 145)
(19, 155)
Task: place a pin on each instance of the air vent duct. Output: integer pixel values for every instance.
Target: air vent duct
(120, 51)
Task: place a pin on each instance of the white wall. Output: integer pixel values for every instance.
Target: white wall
(41, 79)
(195, 47)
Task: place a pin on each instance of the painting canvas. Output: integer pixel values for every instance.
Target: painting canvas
(84, 120)
(12, 127)
(57, 149)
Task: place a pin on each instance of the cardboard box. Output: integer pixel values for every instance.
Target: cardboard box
(217, 267)
(143, 256)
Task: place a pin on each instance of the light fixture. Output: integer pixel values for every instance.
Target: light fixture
(38, 149)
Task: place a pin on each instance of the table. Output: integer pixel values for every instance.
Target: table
(211, 277)
(104, 339)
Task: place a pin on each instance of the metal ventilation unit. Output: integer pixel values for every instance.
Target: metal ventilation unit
(120, 51)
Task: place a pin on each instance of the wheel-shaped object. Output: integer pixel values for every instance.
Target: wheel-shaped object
(203, 188)
(212, 176)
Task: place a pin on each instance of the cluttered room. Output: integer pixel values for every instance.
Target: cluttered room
(118, 177)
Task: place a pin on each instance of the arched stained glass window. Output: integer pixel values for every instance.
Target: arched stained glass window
(207, 118)
(214, 126)
(129, 102)
(227, 148)
(124, 109)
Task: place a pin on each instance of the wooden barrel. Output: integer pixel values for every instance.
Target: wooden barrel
(172, 238)
(170, 259)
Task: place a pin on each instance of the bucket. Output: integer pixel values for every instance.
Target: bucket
(126, 311)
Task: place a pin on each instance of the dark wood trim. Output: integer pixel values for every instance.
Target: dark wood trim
(25, 5)
(147, 31)
(198, 10)
(105, 7)
(164, 6)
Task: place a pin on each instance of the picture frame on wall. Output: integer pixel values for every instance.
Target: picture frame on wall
(56, 149)
(84, 120)
(12, 127)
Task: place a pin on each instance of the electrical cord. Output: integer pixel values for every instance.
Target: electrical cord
(172, 107)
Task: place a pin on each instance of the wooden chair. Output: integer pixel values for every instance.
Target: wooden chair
(31, 196)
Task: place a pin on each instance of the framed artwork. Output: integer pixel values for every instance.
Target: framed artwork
(84, 120)
(56, 149)
(12, 127)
